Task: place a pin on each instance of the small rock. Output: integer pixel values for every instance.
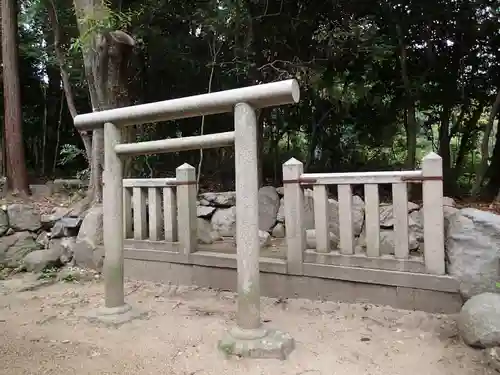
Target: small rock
(4, 222)
(43, 240)
(67, 245)
(492, 356)
(279, 231)
(479, 321)
(280, 190)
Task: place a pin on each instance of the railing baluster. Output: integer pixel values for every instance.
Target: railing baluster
(127, 213)
(140, 220)
(154, 210)
(321, 219)
(170, 214)
(400, 213)
(346, 227)
(372, 220)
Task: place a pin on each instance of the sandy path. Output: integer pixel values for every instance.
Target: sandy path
(42, 332)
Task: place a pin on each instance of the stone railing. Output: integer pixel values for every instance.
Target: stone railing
(162, 208)
(431, 178)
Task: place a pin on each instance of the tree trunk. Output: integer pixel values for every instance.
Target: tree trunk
(105, 54)
(467, 141)
(16, 165)
(61, 61)
(491, 190)
(444, 147)
(483, 164)
(411, 123)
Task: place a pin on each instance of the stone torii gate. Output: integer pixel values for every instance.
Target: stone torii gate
(249, 337)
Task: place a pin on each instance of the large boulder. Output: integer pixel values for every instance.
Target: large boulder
(358, 213)
(58, 253)
(224, 221)
(24, 217)
(473, 250)
(269, 202)
(38, 260)
(479, 321)
(87, 249)
(280, 215)
(15, 247)
(387, 243)
(386, 214)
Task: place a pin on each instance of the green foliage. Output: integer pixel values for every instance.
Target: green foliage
(104, 19)
(347, 57)
(69, 154)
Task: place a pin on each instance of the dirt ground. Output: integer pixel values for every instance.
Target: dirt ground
(43, 331)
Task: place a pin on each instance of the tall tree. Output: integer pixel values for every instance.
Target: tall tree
(105, 54)
(16, 166)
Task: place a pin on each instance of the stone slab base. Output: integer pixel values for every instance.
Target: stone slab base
(287, 286)
(270, 344)
(115, 316)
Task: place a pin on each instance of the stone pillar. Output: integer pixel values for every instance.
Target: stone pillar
(113, 219)
(249, 338)
(247, 216)
(115, 311)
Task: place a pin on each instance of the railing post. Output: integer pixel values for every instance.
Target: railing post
(113, 220)
(186, 207)
(432, 192)
(294, 215)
